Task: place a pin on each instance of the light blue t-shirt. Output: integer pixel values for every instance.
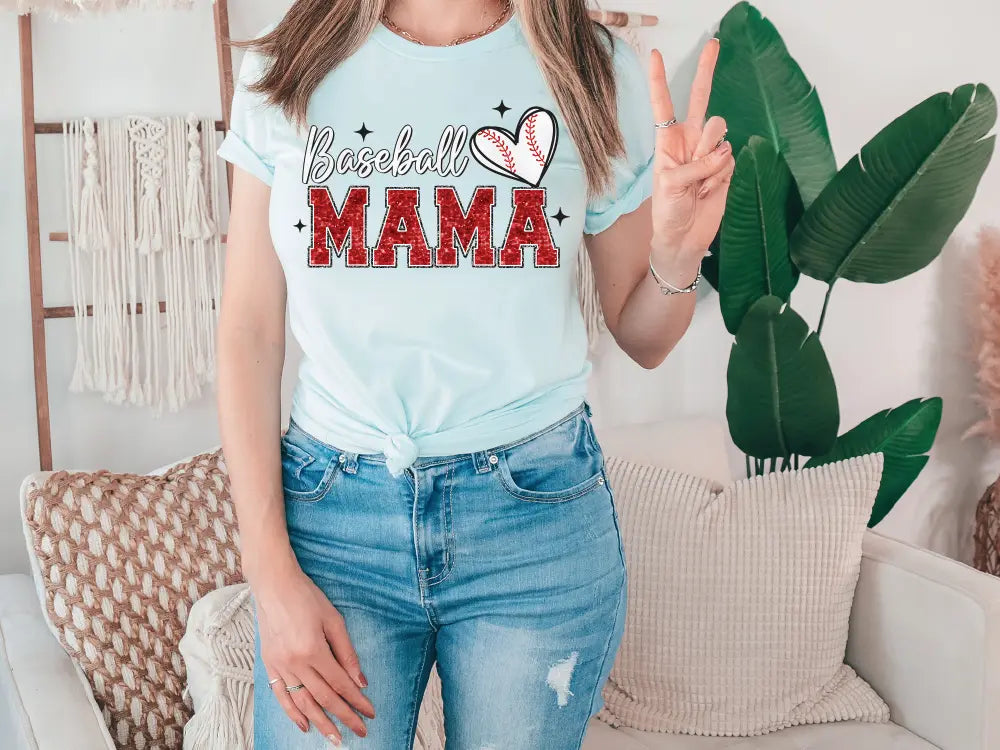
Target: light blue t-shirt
(428, 223)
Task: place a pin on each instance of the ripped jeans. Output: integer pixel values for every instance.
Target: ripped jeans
(503, 566)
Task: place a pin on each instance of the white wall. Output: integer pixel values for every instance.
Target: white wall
(870, 59)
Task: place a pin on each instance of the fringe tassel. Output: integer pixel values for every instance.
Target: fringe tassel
(147, 135)
(62, 9)
(198, 225)
(217, 725)
(92, 222)
(82, 378)
(149, 171)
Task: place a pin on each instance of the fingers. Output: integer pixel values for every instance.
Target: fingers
(320, 695)
(715, 130)
(659, 91)
(284, 698)
(701, 89)
(336, 673)
(306, 703)
(720, 178)
(336, 635)
(329, 690)
(683, 177)
(669, 141)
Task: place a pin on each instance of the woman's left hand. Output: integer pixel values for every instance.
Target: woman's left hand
(693, 163)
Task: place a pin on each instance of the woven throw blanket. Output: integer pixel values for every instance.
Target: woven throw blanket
(122, 559)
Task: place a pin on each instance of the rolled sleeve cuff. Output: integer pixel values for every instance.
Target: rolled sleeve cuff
(237, 151)
(634, 195)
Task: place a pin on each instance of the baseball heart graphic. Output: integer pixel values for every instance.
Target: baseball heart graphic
(523, 155)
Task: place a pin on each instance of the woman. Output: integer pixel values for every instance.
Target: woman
(414, 179)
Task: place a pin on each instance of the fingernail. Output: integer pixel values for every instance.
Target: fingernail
(362, 680)
(303, 725)
(724, 147)
(334, 739)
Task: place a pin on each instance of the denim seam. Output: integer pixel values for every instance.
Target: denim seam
(518, 493)
(592, 435)
(414, 702)
(598, 686)
(302, 458)
(448, 562)
(324, 487)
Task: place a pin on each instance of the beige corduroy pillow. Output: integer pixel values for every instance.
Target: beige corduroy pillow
(739, 599)
(121, 558)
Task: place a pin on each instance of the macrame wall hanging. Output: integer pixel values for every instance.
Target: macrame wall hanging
(141, 199)
(73, 8)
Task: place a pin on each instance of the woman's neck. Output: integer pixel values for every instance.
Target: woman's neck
(439, 22)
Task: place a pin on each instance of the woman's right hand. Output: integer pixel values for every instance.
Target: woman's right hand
(304, 641)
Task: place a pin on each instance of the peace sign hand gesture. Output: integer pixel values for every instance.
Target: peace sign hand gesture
(692, 165)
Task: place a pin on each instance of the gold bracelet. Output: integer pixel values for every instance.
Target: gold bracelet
(666, 287)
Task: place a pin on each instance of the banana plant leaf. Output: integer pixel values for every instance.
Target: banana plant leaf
(762, 208)
(782, 396)
(891, 209)
(903, 436)
(761, 90)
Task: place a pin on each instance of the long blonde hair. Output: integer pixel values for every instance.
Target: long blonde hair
(315, 36)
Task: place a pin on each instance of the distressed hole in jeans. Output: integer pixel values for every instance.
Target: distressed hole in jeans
(559, 677)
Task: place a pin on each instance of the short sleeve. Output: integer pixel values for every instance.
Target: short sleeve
(632, 174)
(248, 142)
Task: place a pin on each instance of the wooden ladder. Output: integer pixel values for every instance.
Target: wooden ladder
(31, 129)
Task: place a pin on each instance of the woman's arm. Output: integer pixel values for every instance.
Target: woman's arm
(251, 354)
(645, 323)
(303, 637)
(692, 167)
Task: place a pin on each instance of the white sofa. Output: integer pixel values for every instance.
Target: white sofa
(925, 633)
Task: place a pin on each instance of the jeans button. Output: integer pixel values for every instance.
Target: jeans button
(342, 458)
(493, 459)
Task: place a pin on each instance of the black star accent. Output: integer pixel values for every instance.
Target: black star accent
(560, 216)
(502, 108)
(363, 131)
(300, 226)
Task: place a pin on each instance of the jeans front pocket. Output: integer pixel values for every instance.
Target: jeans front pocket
(308, 466)
(560, 463)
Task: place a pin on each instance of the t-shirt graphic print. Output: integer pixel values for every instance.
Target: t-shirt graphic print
(467, 229)
(427, 219)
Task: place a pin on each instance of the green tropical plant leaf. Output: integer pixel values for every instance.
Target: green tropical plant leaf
(762, 208)
(761, 90)
(903, 436)
(782, 396)
(891, 209)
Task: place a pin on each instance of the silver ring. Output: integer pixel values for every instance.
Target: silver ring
(666, 124)
(293, 688)
(276, 679)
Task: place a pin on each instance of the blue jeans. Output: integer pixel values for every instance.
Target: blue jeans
(503, 566)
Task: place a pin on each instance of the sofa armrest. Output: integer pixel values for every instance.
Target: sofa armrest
(925, 633)
(45, 701)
